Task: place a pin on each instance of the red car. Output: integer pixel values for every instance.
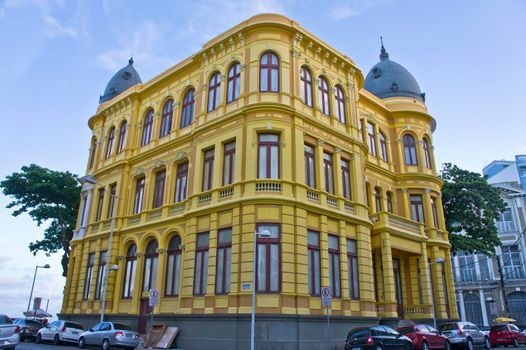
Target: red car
(425, 337)
(506, 334)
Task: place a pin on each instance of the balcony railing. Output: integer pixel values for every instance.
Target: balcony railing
(397, 223)
(313, 195)
(506, 226)
(268, 186)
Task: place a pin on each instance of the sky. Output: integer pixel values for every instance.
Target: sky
(56, 57)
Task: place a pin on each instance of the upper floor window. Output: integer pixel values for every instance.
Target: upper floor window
(389, 197)
(334, 266)
(313, 248)
(158, 189)
(201, 264)
(466, 266)
(89, 275)
(417, 209)
(93, 152)
(268, 156)
(187, 114)
(139, 195)
(214, 91)
(100, 204)
(378, 199)
(511, 256)
(147, 128)
(173, 266)
(208, 169)
(229, 163)
(310, 167)
(268, 260)
(383, 146)
(224, 260)
(166, 120)
(410, 150)
(346, 178)
(434, 212)
(233, 83)
(101, 273)
(323, 96)
(122, 136)
(129, 272)
(340, 104)
(427, 154)
(269, 73)
(109, 145)
(306, 86)
(329, 172)
(151, 261)
(371, 138)
(352, 261)
(181, 182)
(111, 203)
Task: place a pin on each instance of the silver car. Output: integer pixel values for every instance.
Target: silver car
(9, 336)
(110, 334)
(59, 332)
(465, 335)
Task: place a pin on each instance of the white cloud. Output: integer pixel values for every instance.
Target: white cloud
(343, 12)
(351, 8)
(56, 29)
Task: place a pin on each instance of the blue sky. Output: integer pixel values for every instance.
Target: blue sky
(57, 56)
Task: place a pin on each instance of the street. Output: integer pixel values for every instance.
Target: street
(34, 346)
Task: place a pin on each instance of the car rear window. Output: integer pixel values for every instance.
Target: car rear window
(4, 319)
(406, 330)
(73, 325)
(448, 327)
(34, 323)
(499, 328)
(358, 333)
(122, 326)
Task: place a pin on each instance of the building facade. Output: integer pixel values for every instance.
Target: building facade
(266, 134)
(480, 295)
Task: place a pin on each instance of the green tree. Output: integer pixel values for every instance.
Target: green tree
(49, 197)
(471, 206)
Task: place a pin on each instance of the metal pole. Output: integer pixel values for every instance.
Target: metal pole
(106, 266)
(47, 304)
(252, 321)
(502, 286)
(32, 287)
(328, 327)
(432, 296)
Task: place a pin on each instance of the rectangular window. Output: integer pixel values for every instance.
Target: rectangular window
(334, 266)
(111, 203)
(310, 166)
(224, 260)
(139, 195)
(268, 156)
(229, 157)
(383, 147)
(466, 266)
(208, 170)
(313, 245)
(329, 172)
(173, 267)
(419, 280)
(512, 262)
(434, 212)
(268, 259)
(352, 258)
(417, 209)
(378, 199)
(483, 266)
(346, 179)
(389, 196)
(371, 139)
(89, 275)
(100, 204)
(101, 274)
(158, 190)
(180, 182)
(201, 264)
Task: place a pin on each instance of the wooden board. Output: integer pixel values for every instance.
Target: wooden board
(168, 338)
(154, 335)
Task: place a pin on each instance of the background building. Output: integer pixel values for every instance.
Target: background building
(266, 129)
(477, 278)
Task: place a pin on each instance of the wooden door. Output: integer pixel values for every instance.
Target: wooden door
(144, 312)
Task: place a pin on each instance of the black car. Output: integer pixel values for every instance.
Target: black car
(28, 328)
(377, 338)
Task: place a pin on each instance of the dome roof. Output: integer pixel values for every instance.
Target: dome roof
(389, 79)
(121, 81)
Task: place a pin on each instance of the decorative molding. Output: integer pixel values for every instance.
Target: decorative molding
(427, 190)
(158, 164)
(269, 126)
(139, 171)
(320, 142)
(180, 155)
(338, 150)
(404, 190)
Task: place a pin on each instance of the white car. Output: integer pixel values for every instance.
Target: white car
(59, 332)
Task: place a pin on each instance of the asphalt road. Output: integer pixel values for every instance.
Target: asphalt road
(43, 346)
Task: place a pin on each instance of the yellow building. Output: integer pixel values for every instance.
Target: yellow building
(267, 129)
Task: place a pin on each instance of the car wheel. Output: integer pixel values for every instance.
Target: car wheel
(470, 344)
(447, 346)
(487, 344)
(425, 346)
(105, 344)
(38, 339)
(515, 343)
(56, 340)
(82, 343)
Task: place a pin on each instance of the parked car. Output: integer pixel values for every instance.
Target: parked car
(59, 332)
(485, 330)
(506, 334)
(376, 338)
(425, 337)
(28, 328)
(110, 334)
(9, 333)
(465, 335)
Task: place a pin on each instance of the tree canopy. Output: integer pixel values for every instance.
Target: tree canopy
(471, 207)
(49, 197)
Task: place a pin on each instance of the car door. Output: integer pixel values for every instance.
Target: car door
(476, 334)
(52, 330)
(438, 340)
(379, 336)
(105, 332)
(91, 336)
(395, 339)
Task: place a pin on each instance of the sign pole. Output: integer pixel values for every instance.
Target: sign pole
(326, 301)
(328, 327)
(153, 302)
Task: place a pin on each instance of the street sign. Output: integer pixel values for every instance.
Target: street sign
(37, 302)
(154, 297)
(325, 296)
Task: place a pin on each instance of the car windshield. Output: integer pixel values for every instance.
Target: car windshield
(73, 325)
(498, 328)
(405, 330)
(5, 319)
(448, 327)
(122, 326)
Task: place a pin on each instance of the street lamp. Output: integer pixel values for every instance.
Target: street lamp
(437, 261)
(33, 286)
(264, 234)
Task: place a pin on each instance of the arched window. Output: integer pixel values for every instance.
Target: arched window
(269, 73)
(147, 128)
(122, 136)
(129, 273)
(151, 260)
(109, 146)
(187, 115)
(378, 199)
(93, 152)
(383, 146)
(214, 90)
(323, 93)
(306, 86)
(389, 197)
(427, 154)
(166, 120)
(173, 266)
(233, 83)
(410, 150)
(340, 104)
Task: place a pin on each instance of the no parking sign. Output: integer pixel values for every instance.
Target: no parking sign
(325, 296)
(154, 297)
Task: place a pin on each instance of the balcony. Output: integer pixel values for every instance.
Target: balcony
(385, 221)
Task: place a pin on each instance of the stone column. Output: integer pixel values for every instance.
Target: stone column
(461, 310)
(483, 307)
(388, 275)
